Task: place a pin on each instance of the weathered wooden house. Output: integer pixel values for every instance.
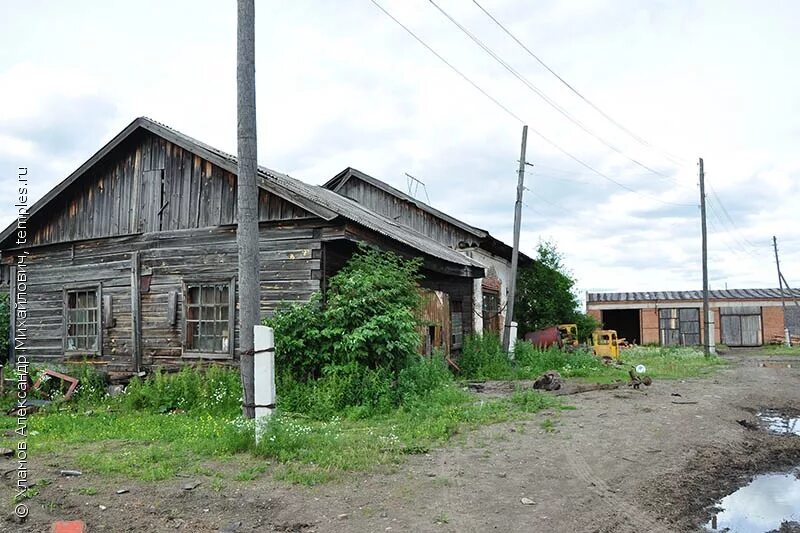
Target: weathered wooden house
(489, 293)
(132, 259)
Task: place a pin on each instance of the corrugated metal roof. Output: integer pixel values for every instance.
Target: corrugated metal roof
(357, 213)
(337, 181)
(726, 294)
(316, 199)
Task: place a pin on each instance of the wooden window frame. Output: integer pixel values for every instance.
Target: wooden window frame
(203, 354)
(98, 289)
(494, 321)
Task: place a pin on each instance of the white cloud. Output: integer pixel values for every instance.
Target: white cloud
(339, 84)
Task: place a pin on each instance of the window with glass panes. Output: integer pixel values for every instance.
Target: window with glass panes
(82, 320)
(207, 317)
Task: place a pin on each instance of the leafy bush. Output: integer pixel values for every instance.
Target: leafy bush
(300, 345)
(421, 377)
(482, 357)
(215, 390)
(349, 353)
(533, 361)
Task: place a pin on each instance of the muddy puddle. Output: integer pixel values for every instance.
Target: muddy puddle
(779, 423)
(760, 506)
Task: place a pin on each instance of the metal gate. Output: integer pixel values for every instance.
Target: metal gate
(741, 326)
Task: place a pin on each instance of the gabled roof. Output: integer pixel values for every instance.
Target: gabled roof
(662, 296)
(320, 201)
(488, 242)
(338, 181)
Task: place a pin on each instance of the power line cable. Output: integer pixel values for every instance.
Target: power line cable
(542, 95)
(728, 216)
(514, 115)
(674, 159)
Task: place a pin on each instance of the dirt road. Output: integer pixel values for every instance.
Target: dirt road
(622, 461)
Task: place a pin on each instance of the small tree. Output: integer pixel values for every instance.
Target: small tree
(545, 294)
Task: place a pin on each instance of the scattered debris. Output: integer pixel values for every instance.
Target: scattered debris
(747, 424)
(550, 381)
(577, 389)
(637, 380)
(343, 516)
(676, 402)
(102, 507)
(72, 526)
(526, 501)
(115, 390)
(191, 485)
(675, 394)
(32, 405)
(70, 473)
(123, 491)
(6, 452)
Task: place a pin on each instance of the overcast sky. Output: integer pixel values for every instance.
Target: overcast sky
(340, 84)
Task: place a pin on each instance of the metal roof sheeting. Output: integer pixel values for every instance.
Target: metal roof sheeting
(318, 200)
(726, 294)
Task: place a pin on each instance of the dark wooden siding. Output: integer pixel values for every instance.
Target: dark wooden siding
(146, 185)
(404, 212)
(290, 256)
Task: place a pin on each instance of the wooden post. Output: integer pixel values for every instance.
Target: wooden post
(708, 328)
(787, 338)
(135, 313)
(515, 251)
(247, 198)
(263, 376)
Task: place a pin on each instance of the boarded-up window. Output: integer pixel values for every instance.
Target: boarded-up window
(491, 311)
(208, 318)
(82, 320)
(679, 326)
(456, 325)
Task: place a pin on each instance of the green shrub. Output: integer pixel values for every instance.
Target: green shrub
(215, 390)
(421, 377)
(91, 388)
(482, 357)
(533, 361)
(300, 343)
(348, 354)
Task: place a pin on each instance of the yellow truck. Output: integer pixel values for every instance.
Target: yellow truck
(569, 335)
(605, 343)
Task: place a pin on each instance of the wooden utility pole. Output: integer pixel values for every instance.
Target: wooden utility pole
(787, 338)
(512, 289)
(708, 326)
(247, 198)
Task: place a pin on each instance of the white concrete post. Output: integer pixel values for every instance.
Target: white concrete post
(712, 339)
(264, 376)
(787, 336)
(512, 338)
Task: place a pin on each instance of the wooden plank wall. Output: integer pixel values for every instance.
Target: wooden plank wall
(290, 257)
(149, 184)
(404, 213)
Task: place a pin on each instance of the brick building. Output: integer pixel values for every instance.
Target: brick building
(744, 317)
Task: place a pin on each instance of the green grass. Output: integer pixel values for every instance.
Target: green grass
(154, 446)
(486, 361)
(780, 349)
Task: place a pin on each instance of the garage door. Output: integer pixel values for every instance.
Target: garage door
(741, 326)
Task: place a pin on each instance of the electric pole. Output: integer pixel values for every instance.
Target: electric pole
(787, 338)
(708, 326)
(247, 199)
(515, 251)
